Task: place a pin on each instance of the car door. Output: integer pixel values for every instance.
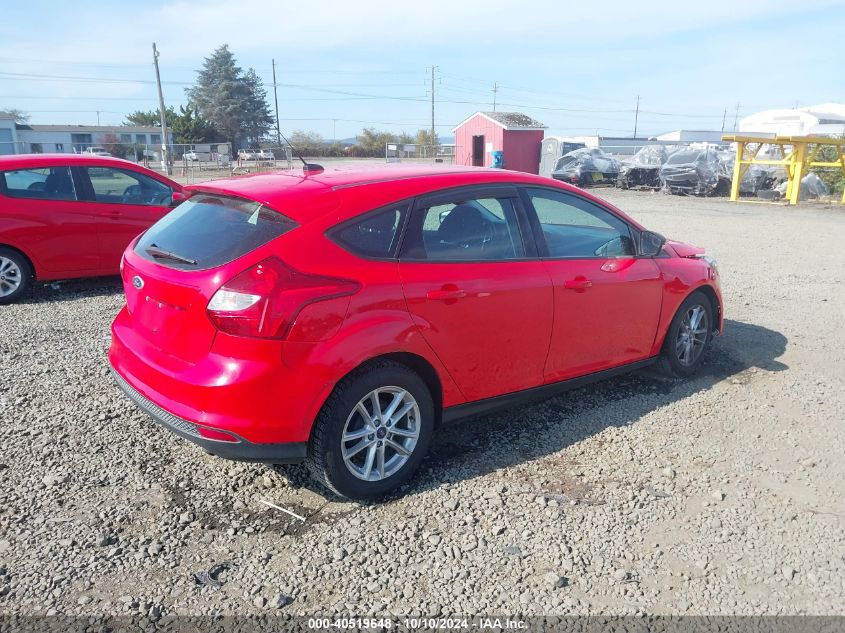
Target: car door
(607, 300)
(476, 290)
(126, 204)
(41, 214)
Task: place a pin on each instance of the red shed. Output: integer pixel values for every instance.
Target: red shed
(516, 134)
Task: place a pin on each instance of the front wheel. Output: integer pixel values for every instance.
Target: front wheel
(688, 336)
(373, 432)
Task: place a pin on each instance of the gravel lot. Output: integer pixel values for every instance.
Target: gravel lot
(720, 495)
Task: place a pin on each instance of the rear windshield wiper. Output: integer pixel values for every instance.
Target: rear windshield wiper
(160, 253)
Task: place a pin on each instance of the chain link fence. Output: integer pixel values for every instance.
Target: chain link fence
(187, 162)
(415, 153)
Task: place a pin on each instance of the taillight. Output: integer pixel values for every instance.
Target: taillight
(264, 301)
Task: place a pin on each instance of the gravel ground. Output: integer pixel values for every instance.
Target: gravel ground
(719, 495)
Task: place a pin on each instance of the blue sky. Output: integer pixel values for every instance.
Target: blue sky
(344, 65)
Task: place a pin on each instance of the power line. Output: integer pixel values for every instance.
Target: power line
(362, 95)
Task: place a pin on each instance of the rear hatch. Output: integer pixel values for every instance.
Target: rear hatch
(173, 270)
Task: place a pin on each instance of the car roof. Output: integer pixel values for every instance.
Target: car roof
(34, 161)
(45, 160)
(305, 197)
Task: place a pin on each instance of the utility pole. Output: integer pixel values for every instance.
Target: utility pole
(433, 133)
(636, 116)
(334, 130)
(98, 118)
(276, 99)
(736, 117)
(165, 164)
(724, 116)
(495, 90)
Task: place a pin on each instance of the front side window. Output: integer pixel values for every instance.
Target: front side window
(120, 186)
(573, 227)
(375, 235)
(47, 183)
(481, 229)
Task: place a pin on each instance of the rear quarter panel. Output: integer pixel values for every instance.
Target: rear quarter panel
(376, 320)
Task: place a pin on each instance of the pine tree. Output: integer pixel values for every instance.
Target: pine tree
(234, 102)
(257, 117)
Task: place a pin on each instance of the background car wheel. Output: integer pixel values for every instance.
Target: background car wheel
(688, 336)
(15, 275)
(372, 432)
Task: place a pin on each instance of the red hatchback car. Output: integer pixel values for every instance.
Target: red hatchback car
(67, 215)
(339, 317)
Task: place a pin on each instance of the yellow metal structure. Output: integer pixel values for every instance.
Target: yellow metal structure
(799, 153)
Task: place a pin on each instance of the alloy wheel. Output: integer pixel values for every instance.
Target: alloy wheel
(10, 276)
(692, 335)
(381, 433)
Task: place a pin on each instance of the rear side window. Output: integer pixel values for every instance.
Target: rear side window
(210, 230)
(46, 183)
(475, 229)
(376, 235)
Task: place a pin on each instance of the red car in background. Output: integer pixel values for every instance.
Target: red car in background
(338, 317)
(64, 216)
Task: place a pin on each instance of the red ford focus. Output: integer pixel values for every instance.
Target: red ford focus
(64, 216)
(339, 317)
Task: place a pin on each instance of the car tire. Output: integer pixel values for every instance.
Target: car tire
(15, 275)
(684, 348)
(341, 465)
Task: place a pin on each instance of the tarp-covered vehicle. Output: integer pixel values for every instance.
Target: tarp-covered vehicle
(755, 178)
(695, 172)
(642, 170)
(812, 188)
(587, 166)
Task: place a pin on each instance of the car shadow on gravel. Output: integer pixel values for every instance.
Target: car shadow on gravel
(476, 446)
(73, 289)
(473, 447)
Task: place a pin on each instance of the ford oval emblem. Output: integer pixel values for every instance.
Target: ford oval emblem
(137, 282)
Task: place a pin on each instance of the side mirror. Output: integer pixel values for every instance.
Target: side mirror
(177, 198)
(651, 244)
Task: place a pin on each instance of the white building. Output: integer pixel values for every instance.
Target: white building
(8, 134)
(609, 144)
(692, 136)
(825, 119)
(36, 139)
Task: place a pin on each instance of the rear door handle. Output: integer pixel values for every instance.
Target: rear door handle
(446, 294)
(579, 283)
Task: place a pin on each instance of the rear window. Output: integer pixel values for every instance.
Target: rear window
(210, 230)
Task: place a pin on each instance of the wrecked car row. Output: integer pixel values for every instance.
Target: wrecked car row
(682, 170)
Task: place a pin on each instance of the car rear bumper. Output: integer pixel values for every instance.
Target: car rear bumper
(238, 449)
(240, 387)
